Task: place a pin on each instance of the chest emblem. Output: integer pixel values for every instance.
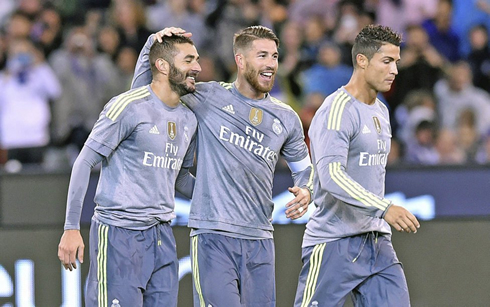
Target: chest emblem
(377, 124)
(171, 130)
(277, 127)
(255, 116)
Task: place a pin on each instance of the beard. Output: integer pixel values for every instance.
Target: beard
(178, 83)
(252, 77)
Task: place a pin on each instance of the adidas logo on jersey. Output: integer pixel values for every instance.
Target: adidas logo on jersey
(365, 130)
(229, 109)
(154, 130)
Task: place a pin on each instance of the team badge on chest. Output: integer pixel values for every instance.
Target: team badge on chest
(172, 130)
(255, 116)
(377, 124)
(277, 127)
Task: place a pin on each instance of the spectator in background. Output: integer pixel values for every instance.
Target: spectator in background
(399, 14)
(109, 41)
(27, 86)
(290, 60)
(175, 13)
(420, 67)
(418, 106)
(479, 57)
(467, 134)
(130, 20)
(328, 74)
(421, 148)
(314, 37)
(457, 93)
(89, 79)
(447, 148)
(441, 34)
(46, 30)
(483, 154)
(126, 61)
(19, 26)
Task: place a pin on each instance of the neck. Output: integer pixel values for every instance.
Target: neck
(164, 93)
(247, 90)
(360, 89)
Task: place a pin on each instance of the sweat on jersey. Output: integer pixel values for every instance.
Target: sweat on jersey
(349, 142)
(239, 141)
(145, 143)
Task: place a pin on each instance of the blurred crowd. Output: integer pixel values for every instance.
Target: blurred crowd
(62, 60)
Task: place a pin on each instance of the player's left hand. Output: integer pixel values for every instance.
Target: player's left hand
(169, 32)
(297, 207)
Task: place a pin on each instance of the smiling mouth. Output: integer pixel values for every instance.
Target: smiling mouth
(266, 75)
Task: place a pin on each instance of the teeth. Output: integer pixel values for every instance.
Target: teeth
(191, 78)
(268, 74)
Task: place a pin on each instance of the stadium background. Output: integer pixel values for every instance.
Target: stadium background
(446, 262)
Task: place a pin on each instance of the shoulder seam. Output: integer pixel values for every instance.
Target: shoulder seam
(336, 111)
(124, 100)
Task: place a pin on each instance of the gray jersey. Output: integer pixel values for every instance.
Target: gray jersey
(350, 142)
(239, 143)
(145, 143)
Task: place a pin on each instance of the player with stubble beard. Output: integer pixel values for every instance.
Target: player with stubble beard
(145, 139)
(242, 132)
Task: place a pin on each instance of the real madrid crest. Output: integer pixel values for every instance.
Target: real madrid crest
(377, 124)
(276, 126)
(171, 130)
(255, 116)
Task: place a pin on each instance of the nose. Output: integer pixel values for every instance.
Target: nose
(197, 67)
(394, 68)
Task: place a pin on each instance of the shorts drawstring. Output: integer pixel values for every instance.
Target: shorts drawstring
(364, 240)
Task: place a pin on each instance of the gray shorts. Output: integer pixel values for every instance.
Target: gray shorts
(134, 267)
(232, 272)
(364, 266)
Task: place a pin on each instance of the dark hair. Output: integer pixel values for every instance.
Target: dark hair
(166, 49)
(371, 38)
(244, 37)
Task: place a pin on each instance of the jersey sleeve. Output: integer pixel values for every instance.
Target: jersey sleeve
(295, 152)
(330, 145)
(142, 71)
(78, 186)
(200, 95)
(115, 123)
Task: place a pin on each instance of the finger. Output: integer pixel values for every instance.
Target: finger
(80, 253)
(66, 261)
(414, 220)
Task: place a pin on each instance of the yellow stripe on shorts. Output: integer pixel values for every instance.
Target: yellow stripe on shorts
(102, 265)
(315, 263)
(195, 271)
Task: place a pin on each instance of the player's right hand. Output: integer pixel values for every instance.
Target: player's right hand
(401, 219)
(171, 31)
(71, 245)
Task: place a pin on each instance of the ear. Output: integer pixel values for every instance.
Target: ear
(362, 60)
(162, 66)
(240, 61)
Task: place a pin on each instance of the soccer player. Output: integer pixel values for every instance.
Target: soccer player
(347, 243)
(145, 139)
(242, 131)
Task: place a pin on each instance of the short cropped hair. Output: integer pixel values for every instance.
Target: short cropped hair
(371, 38)
(166, 49)
(245, 37)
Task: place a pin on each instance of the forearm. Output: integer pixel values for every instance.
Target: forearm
(142, 72)
(339, 184)
(78, 186)
(185, 183)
